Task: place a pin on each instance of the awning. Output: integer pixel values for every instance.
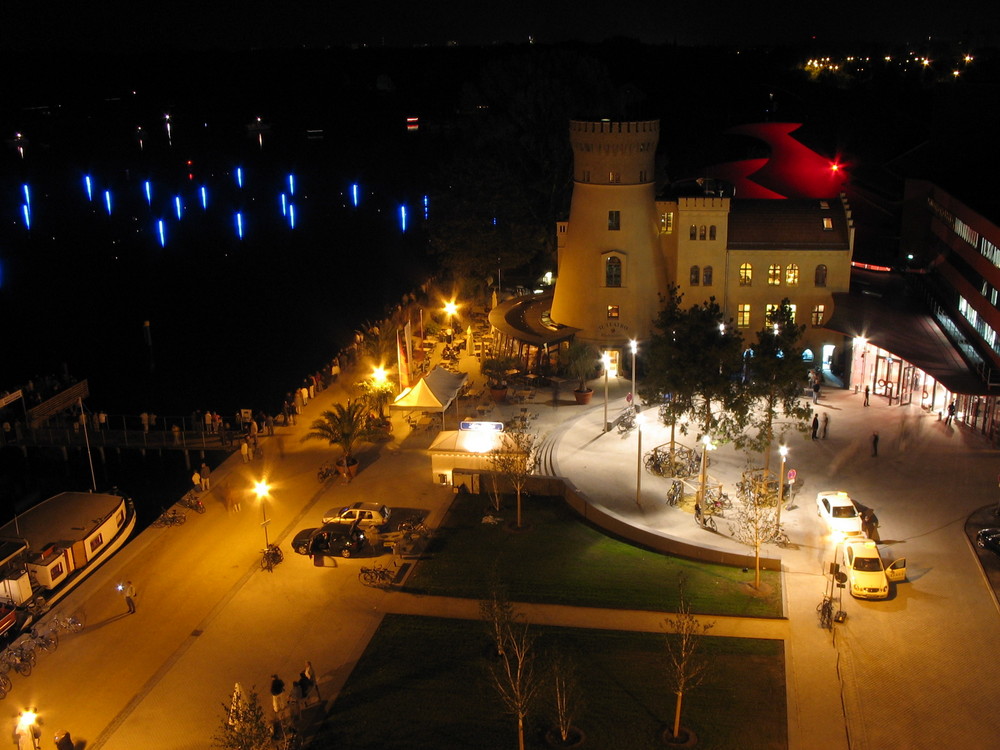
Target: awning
(433, 392)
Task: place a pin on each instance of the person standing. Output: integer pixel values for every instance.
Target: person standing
(951, 413)
(816, 392)
(245, 450)
(826, 425)
(278, 697)
(815, 426)
(206, 482)
(874, 444)
(196, 480)
(209, 421)
(868, 393)
(128, 591)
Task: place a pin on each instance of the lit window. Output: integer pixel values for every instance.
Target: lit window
(711, 232)
(706, 276)
(743, 316)
(614, 177)
(821, 275)
(667, 222)
(694, 232)
(613, 312)
(774, 274)
(613, 272)
(791, 313)
(792, 274)
(828, 223)
(701, 232)
(614, 221)
(817, 315)
(769, 312)
(746, 274)
(695, 275)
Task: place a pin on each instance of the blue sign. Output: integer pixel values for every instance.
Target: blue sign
(481, 426)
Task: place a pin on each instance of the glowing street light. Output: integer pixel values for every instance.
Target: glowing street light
(634, 346)
(783, 450)
(606, 361)
(706, 446)
(261, 489)
(27, 728)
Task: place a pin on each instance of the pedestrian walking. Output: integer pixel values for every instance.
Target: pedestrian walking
(128, 591)
(278, 697)
(816, 392)
(206, 482)
(868, 392)
(310, 674)
(826, 425)
(951, 413)
(874, 444)
(269, 424)
(245, 450)
(815, 426)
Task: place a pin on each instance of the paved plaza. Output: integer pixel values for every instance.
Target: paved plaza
(911, 672)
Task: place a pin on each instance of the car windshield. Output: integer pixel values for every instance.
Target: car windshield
(844, 511)
(868, 564)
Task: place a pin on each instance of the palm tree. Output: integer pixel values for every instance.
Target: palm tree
(344, 426)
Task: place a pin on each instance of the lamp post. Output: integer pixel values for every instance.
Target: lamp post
(606, 361)
(638, 459)
(451, 309)
(783, 450)
(261, 489)
(706, 446)
(634, 346)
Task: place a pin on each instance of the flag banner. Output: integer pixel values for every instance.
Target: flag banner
(404, 363)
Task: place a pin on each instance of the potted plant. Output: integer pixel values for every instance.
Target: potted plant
(345, 427)
(581, 359)
(495, 371)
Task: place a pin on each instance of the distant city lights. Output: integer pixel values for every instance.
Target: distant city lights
(291, 215)
(239, 224)
(427, 208)
(107, 201)
(148, 188)
(354, 194)
(239, 176)
(89, 187)
(203, 192)
(26, 212)
(162, 232)
(177, 206)
(402, 218)
(284, 205)
(291, 184)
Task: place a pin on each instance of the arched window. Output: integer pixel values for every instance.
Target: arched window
(821, 275)
(701, 232)
(774, 274)
(711, 232)
(746, 274)
(694, 232)
(695, 275)
(613, 271)
(706, 276)
(792, 274)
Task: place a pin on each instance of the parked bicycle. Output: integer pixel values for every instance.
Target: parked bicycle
(69, 623)
(47, 641)
(270, 556)
(325, 472)
(414, 528)
(825, 610)
(193, 502)
(377, 575)
(704, 520)
(171, 517)
(675, 492)
(18, 658)
(5, 685)
(37, 605)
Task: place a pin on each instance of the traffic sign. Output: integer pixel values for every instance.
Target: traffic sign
(791, 476)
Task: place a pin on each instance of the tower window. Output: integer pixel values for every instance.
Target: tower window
(613, 272)
(695, 275)
(821, 275)
(706, 276)
(774, 274)
(614, 221)
(827, 224)
(613, 312)
(614, 177)
(694, 232)
(667, 222)
(746, 274)
(701, 232)
(711, 232)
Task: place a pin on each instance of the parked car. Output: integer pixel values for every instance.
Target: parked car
(840, 512)
(989, 539)
(330, 539)
(365, 514)
(867, 577)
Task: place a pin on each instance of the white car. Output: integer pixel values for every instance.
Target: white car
(867, 578)
(367, 515)
(840, 513)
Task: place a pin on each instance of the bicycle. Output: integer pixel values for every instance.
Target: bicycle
(37, 606)
(5, 685)
(825, 610)
(414, 528)
(675, 493)
(19, 659)
(171, 517)
(781, 539)
(70, 624)
(377, 576)
(193, 502)
(704, 520)
(271, 556)
(47, 641)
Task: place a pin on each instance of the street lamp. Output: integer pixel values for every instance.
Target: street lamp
(783, 450)
(639, 419)
(606, 361)
(634, 346)
(706, 446)
(261, 489)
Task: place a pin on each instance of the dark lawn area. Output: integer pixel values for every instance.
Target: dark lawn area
(561, 559)
(423, 682)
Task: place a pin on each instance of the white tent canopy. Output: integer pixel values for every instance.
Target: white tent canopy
(435, 391)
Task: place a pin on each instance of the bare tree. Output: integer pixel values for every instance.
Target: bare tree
(687, 668)
(243, 725)
(566, 691)
(755, 519)
(497, 612)
(515, 460)
(514, 674)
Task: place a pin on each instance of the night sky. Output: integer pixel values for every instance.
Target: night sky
(126, 25)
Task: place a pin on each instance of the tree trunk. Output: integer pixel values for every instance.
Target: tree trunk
(520, 733)
(518, 507)
(677, 714)
(756, 571)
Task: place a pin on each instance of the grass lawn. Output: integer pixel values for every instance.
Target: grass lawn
(562, 559)
(423, 682)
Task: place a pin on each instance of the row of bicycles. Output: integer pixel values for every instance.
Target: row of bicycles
(176, 516)
(21, 656)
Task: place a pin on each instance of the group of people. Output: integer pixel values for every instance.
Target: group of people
(298, 697)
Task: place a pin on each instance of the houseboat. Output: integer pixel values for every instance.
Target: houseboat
(48, 550)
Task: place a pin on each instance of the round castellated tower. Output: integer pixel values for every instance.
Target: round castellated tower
(610, 265)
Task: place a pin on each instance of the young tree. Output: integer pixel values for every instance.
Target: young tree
(755, 518)
(497, 612)
(565, 684)
(243, 726)
(777, 375)
(514, 674)
(687, 668)
(515, 460)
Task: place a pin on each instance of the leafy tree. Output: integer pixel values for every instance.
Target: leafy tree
(345, 426)
(776, 378)
(580, 362)
(377, 394)
(243, 725)
(515, 459)
(687, 668)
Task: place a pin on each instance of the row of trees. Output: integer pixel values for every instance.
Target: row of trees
(699, 371)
